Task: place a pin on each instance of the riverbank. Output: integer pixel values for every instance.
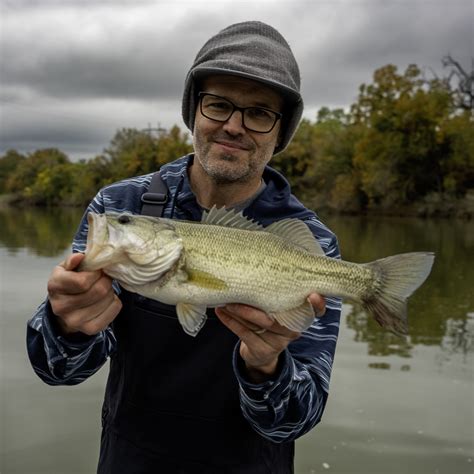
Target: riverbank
(7, 200)
(432, 206)
(435, 205)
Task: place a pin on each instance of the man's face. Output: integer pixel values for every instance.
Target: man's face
(227, 151)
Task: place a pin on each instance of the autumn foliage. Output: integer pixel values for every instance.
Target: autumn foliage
(405, 141)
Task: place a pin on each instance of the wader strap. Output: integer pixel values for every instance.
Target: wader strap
(154, 200)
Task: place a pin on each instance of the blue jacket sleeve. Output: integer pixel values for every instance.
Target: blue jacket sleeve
(291, 404)
(67, 361)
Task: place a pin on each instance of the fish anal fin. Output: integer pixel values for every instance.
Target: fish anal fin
(192, 317)
(297, 319)
(298, 233)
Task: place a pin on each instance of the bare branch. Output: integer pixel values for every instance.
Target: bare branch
(464, 89)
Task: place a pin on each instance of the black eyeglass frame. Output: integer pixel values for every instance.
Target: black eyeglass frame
(278, 115)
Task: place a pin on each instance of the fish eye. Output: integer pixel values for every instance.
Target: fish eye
(124, 219)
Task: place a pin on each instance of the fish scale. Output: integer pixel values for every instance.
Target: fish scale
(228, 259)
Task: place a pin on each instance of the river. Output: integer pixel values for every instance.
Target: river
(401, 406)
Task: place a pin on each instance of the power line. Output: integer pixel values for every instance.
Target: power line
(159, 129)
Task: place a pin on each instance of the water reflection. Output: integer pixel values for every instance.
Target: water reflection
(379, 342)
(440, 312)
(455, 337)
(458, 339)
(44, 232)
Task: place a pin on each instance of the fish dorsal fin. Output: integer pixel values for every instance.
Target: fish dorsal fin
(298, 233)
(229, 218)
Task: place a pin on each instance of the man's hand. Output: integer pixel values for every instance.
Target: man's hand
(262, 339)
(82, 301)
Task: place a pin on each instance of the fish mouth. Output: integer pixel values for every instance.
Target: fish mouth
(97, 242)
(97, 233)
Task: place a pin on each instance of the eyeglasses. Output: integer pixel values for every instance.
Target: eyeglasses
(255, 119)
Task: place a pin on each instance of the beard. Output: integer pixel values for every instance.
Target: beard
(227, 168)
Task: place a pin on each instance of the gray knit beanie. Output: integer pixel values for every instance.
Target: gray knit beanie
(255, 51)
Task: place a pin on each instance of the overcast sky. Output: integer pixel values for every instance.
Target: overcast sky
(74, 71)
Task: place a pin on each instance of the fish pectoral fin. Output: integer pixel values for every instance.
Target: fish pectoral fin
(298, 233)
(192, 317)
(297, 319)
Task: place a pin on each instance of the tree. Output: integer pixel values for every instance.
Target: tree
(53, 185)
(133, 152)
(457, 166)
(464, 87)
(399, 154)
(89, 177)
(297, 159)
(171, 145)
(25, 174)
(130, 153)
(335, 176)
(8, 164)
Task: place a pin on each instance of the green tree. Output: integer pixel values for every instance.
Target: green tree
(133, 152)
(89, 177)
(130, 153)
(295, 161)
(171, 145)
(8, 164)
(53, 185)
(334, 174)
(456, 135)
(26, 173)
(318, 162)
(399, 154)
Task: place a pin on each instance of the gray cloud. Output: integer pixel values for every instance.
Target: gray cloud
(72, 72)
(372, 36)
(94, 60)
(31, 4)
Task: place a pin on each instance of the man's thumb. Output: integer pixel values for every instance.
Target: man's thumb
(73, 261)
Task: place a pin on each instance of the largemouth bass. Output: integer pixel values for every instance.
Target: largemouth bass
(227, 258)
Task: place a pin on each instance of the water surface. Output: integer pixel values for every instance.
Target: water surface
(401, 406)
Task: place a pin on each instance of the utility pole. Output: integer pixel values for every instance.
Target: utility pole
(159, 129)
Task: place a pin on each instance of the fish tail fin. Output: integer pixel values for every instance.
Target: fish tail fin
(398, 277)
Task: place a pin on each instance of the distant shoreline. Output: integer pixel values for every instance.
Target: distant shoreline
(447, 210)
(433, 207)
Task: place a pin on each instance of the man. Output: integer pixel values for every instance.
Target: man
(234, 398)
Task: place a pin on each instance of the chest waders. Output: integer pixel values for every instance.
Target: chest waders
(172, 401)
